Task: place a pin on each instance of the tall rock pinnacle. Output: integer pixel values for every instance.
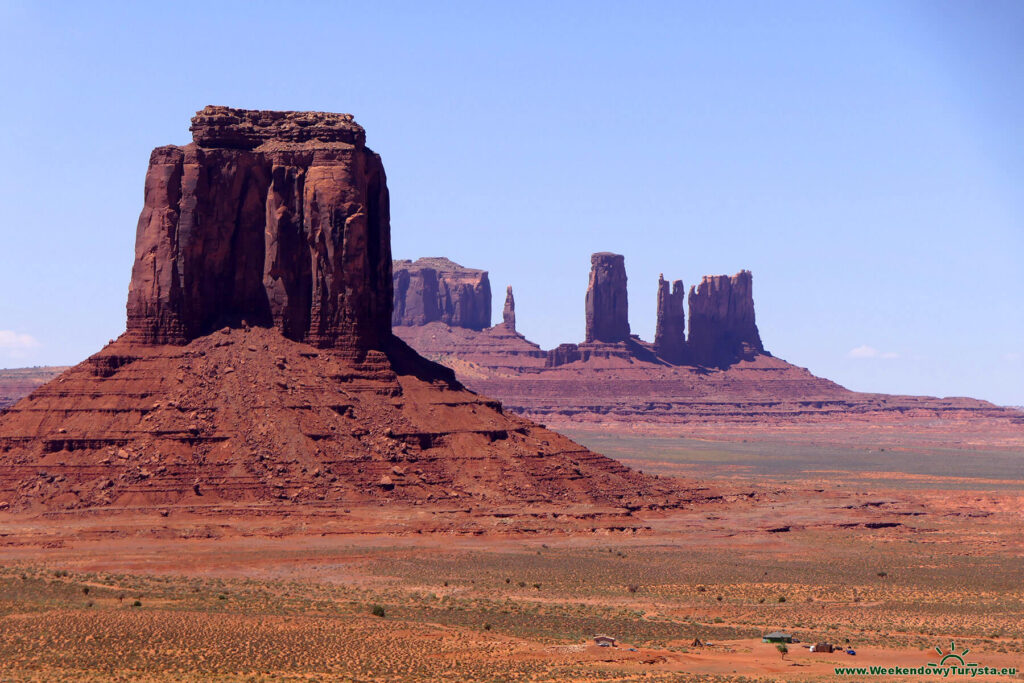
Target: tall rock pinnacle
(722, 327)
(607, 307)
(274, 218)
(508, 314)
(670, 333)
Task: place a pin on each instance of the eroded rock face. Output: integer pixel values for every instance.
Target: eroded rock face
(281, 220)
(670, 333)
(508, 313)
(722, 327)
(273, 218)
(607, 306)
(437, 289)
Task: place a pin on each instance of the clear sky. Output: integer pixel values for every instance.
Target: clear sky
(864, 159)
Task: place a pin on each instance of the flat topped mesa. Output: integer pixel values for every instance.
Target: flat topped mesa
(270, 218)
(437, 289)
(231, 128)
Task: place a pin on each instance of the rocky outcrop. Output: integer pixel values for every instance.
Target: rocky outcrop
(563, 354)
(722, 327)
(280, 220)
(508, 313)
(670, 332)
(607, 307)
(437, 289)
(269, 218)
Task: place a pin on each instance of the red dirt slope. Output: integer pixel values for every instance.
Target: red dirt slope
(247, 415)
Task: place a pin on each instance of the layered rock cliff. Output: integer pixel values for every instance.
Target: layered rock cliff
(436, 289)
(670, 330)
(272, 218)
(722, 327)
(607, 305)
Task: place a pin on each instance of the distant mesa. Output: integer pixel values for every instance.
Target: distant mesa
(258, 366)
(706, 373)
(722, 327)
(436, 289)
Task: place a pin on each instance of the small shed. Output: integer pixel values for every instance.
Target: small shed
(777, 637)
(822, 647)
(605, 641)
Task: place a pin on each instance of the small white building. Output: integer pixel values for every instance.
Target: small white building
(605, 641)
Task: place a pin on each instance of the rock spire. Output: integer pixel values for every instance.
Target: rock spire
(508, 313)
(607, 307)
(670, 333)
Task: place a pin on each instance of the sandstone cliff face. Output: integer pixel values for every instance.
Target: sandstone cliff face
(508, 313)
(436, 289)
(722, 327)
(670, 333)
(607, 307)
(274, 218)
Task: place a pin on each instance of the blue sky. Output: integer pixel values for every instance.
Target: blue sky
(864, 159)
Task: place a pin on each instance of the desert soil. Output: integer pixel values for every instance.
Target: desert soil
(263, 593)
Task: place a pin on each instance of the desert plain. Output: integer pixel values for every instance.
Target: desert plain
(890, 563)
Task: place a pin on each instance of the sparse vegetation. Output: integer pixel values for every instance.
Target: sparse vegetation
(507, 613)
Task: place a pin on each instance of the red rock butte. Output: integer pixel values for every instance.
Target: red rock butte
(258, 365)
(716, 381)
(273, 218)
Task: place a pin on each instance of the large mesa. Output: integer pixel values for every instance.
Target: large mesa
(273, 218)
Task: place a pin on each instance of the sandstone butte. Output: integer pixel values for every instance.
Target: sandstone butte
(258, 364)
(716, 380)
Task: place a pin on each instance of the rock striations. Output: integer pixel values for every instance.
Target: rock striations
(436, 289)
(259, 367)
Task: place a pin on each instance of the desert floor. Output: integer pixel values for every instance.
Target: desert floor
(886, 559)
